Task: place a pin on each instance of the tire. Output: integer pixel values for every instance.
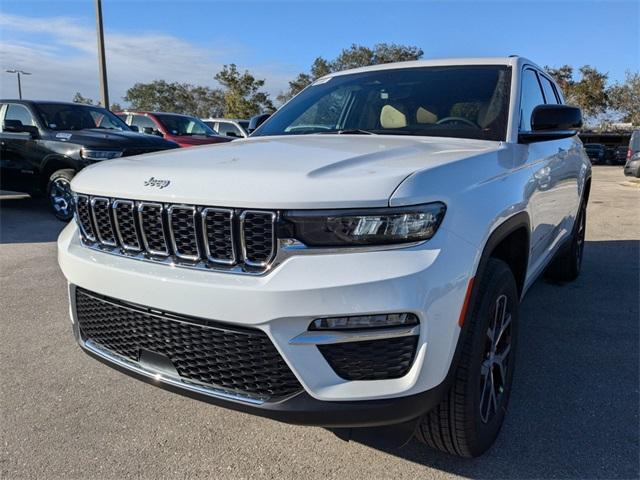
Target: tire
(59, 194)
(568, 262)
(467, 420)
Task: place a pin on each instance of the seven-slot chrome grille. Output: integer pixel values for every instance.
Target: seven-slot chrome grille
(207, 237)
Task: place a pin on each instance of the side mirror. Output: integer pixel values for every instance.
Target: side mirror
(134, 128)
(257, 120)
(232, 134)
(16, 126)
(552, 122)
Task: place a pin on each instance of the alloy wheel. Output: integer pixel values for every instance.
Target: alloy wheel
(61, 197)
(495, 364)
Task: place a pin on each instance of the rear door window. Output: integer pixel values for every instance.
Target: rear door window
(225, 127)
(530, 97)
(549, 92)
(142, 122)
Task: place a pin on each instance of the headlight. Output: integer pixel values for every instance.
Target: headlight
(89, 154)
(380, 226)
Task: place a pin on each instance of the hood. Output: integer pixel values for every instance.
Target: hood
(310, 171)
(193, 140)
(111, 139)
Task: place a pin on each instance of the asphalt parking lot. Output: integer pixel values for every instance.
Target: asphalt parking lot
(573, 413)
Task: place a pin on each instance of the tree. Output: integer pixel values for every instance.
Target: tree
(79, 98)
(242, 96)
(625, 98)
(160, 95)
(353, 57)
(589, 92)
(563, 77)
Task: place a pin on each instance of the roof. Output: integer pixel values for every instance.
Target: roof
(220, 119)
(55, 102)
(512, 61)
(146, 112)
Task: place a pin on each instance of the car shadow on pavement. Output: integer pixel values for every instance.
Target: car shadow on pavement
(574, 410)
(28, 221)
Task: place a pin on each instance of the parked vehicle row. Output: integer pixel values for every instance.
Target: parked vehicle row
(185, 130)
(600, 154)
(44, 144)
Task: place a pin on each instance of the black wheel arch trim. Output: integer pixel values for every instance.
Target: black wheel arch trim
(63, 161)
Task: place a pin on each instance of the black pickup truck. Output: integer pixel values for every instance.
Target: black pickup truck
(43, 144)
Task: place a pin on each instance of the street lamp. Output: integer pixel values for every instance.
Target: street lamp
(104, 90)
(18, 72)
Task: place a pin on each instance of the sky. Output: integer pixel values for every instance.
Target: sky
(189, 41)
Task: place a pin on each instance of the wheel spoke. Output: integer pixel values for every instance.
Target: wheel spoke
(485, 374)
(499, 316)
(501, 360)
(493, 399)
(503, 328)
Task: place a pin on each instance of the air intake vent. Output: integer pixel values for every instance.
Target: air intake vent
(101, 208)
(258, 237)
(152, 229)
(83, 217)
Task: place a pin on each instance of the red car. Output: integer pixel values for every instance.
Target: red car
(185, 130)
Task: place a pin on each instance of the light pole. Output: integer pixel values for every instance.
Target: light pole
(104, 90)
(18, 72)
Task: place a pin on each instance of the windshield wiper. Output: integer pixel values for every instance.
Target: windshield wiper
(350, 131)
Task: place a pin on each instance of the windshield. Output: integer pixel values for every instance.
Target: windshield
(61, 116)
(183, 125)
(463, 102)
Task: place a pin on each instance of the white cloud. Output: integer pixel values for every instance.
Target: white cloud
(61, 54)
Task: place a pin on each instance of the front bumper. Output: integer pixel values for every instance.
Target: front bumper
(427, 280)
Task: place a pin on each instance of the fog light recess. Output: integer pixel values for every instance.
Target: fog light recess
(365, 322)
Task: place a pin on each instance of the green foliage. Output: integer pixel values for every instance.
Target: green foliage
(79, 98)
(353, 57)
(242, 96)
(590, 92)
(162, 96)
(625, 98)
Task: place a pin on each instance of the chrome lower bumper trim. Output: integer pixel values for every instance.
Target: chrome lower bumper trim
(319, 337)
(163, 378)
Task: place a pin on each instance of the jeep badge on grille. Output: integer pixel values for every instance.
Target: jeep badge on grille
(156, 182)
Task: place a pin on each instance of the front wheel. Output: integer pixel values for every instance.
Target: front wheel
(468, 419)
(60, 195)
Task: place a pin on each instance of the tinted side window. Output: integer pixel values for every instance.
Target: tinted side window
(224, 128)
(19, 112)
(549, 91)
(530, 98)
(142, 122)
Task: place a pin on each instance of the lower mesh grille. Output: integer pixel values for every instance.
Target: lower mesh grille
(371, 360)
(237, 360)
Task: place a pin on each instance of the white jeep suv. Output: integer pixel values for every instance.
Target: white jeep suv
(358, 261)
